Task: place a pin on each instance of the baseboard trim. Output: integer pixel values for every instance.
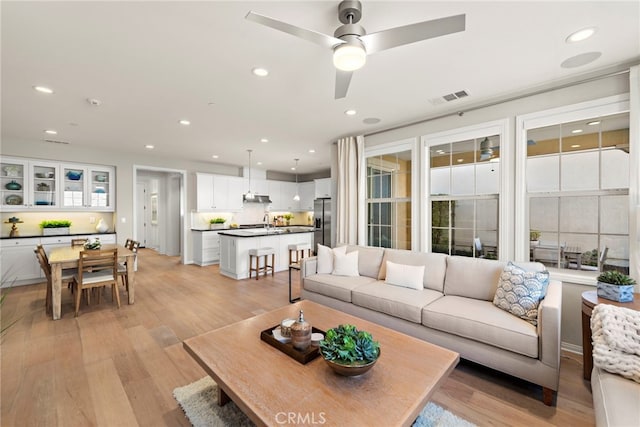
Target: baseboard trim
(573, 348)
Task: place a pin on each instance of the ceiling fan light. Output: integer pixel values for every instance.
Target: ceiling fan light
(349, 57)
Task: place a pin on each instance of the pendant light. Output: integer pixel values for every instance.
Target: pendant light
(249, 195)
(297, 196)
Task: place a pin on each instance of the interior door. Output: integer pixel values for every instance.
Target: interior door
(141, 213)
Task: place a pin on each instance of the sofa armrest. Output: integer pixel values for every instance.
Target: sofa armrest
(308, 266)
(549, 325)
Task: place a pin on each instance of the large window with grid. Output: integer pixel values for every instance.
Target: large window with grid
(577, 184)
(464, 178)
(388, 200)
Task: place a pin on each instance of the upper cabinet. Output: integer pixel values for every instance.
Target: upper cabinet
(87, 187)
(307, 195)
(219, 192)
(323, 188)
(35, 184)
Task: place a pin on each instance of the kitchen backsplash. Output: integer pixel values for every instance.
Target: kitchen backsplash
(80, 221)
(252, 213)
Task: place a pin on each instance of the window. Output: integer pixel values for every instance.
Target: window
(577, 181)
(464, 178)
(388, 200)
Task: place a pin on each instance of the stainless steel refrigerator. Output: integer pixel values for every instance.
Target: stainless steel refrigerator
(322, 220)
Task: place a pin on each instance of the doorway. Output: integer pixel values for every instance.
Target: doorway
(158, 210)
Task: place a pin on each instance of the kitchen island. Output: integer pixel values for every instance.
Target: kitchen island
(235, 245)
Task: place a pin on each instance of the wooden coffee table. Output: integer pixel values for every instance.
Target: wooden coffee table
(272, 388)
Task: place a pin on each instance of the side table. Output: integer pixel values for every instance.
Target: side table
(589, 300)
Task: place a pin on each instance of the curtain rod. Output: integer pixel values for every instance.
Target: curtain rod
(507, 99)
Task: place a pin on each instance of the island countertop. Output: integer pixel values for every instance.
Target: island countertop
(261, 232)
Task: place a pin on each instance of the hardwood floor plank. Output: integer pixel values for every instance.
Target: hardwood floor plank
(111, 367)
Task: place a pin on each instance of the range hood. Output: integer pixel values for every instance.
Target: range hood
(256, 199)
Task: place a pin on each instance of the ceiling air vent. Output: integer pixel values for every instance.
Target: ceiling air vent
(449, 97)
(53, 141)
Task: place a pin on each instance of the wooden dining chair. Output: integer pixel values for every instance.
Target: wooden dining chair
(43, 260)
(97, 268)
(133, 246)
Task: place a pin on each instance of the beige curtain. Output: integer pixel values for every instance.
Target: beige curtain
(350, 155)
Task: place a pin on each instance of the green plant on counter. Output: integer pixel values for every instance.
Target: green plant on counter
(347, 345)
(616, 278)
(55, 223)
(288, 216)
(217, 221)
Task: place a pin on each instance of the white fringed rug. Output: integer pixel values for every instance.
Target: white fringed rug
(199, 403)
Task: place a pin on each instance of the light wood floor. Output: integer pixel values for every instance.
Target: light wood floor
(111, 367)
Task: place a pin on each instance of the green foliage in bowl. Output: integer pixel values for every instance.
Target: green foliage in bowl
(615, 278)
(217, 221)
(347, 345)
(55, 223)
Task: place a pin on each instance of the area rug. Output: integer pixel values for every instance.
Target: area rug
(199, 403)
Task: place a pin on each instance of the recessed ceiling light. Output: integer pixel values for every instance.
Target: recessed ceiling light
(43, 89)
(149, 147)
(215, 156)
(260, 72)
(264, 140)
(293, 168)
(51, 132)
(259, 163)
(350, 112)
(581, 35)
(593, 123)
(184, 122)
(312, 151)
(575, 146)
(576, 131)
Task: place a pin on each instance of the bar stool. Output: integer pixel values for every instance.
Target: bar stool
(262, 252)
(297, 249)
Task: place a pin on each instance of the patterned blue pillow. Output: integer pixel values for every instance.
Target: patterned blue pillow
(520, 291)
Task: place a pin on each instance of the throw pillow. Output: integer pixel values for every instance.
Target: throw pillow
(325, 258)
(520, 291)
(345, 264)
(408, 276)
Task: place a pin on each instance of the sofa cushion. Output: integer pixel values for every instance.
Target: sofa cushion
(472, 277)
(435, 265)
(369, 259)
(338, 287)
(345, 265)
(519, 292)
(481, 321)
(615, 399)
(325, 258)
(395, 301)
(408, 276)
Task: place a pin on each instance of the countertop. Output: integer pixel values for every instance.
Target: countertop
(61, 235)
(259, 232)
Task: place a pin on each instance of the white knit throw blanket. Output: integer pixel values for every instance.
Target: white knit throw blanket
(616, 340)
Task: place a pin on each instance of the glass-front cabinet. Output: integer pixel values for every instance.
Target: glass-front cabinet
(44, 179)
(87, 187)
(13, 183)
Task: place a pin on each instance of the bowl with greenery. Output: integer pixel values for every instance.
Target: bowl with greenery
(288, 217)
(217, 222)
(55, 227)
(615, 286)
(348, 351)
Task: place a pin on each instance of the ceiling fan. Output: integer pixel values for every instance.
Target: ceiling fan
(351, 43)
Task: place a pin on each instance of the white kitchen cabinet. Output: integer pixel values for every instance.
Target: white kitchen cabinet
(281, 194)
(18, 261)
(227, 255)
(218, 192)
(323, 188)
(88, 186)
(206, 247)
(307, 195)
(258, 186)
(275, 194)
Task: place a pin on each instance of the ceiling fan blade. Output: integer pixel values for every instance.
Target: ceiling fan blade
(309, 35)
(386, 39)
(343, 78)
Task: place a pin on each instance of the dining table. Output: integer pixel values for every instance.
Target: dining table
(67, 257)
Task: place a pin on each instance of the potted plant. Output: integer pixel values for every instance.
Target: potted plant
(288, 217)
(615, 286)
(216, 223)
(55, 227)
(534, 236)
(348, 351)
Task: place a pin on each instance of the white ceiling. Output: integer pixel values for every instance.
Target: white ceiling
(154, 63)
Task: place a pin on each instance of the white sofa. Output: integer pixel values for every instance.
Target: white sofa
(616, 400)
(454, 310)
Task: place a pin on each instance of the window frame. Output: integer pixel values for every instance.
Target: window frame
(409, 144)
(496, 127)
(570, 113)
